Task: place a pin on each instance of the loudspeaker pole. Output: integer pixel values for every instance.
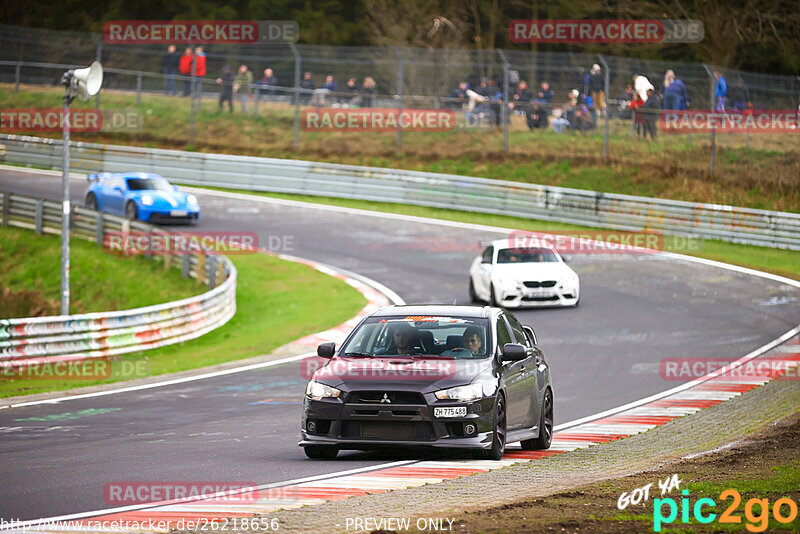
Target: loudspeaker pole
(65, 206)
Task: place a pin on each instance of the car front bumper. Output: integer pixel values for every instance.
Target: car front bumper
(359, 426)
(520, 298)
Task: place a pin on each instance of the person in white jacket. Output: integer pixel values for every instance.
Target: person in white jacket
(641, 84)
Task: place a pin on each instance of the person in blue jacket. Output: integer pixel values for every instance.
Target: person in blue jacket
(675, 95)
(720, 91)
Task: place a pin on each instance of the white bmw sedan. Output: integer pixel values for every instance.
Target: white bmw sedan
(517, 277)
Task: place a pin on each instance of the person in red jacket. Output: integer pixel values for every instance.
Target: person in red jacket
(199, 68)
(185, 68)
(638, 116)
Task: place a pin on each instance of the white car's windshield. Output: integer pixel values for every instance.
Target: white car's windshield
(455, 337)
(526, 255)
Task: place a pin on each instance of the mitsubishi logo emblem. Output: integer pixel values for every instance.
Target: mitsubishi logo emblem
(386, 399)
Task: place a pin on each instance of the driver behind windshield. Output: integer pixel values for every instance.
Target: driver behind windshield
(470, 340)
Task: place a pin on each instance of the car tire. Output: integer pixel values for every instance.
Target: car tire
(321, 452)
(498, 448)
(473, 297)
(91, 202)
(131, 213)
(545, 425)
(492, 297)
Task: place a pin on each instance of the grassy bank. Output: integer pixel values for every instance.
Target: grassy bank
(31, 278)
(675, 166)
(277, 302)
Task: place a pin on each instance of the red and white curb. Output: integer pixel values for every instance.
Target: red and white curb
(713, 388)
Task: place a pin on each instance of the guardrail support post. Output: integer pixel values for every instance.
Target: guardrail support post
(38, 216)
(17, 76)
(98, 229)
(6, 208)
(212, 272)
(713, 130)
(201, 267)
(138, 89)
(186, 265)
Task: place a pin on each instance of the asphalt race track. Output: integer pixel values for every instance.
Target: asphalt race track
(634, 311)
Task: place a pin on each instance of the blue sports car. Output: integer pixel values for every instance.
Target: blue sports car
(138, 195)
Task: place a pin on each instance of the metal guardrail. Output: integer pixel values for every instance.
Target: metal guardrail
(91, 335)
(588, 208)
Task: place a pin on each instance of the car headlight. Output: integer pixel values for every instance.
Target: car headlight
(461, 393)
(317, 391)
(147, 200)
(191, 199)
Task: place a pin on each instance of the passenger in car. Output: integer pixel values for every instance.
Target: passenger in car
(470, 340)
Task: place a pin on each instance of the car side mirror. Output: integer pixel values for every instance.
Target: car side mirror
(514, 352)
(326, 350)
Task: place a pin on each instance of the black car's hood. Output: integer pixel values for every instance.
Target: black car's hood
(418, 373)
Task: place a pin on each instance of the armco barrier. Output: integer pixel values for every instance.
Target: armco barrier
(622, 212)
(92, 335)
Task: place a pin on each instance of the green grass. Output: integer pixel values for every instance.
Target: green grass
(277, 302)
(763, 176)
(98, 281)
(776, 261)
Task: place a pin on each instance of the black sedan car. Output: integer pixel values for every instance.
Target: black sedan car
(463, 377)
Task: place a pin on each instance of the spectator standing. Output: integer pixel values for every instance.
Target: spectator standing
(638, 115)
(268, 81)
(369, 89)
(651, 109)
(597, 90)
(199, 67)
(308, 85)
(641, 84)
(169, 66)
(243, 86)
(355, 92)
(720, 91)
(675, 95)
(185, 68)
(625, 102)
(226, 91)
(739, 96)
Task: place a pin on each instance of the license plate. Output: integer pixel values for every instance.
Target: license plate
(179, 213)
(541, 292)
(454, 411)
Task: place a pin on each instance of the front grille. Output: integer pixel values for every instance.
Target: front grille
(388, 430)
(539, 299)
(546, 283)
(375, 397)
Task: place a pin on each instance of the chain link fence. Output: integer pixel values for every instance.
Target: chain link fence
(497, 95)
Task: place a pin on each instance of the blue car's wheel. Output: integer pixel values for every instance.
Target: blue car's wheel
(131, 212)
(91, 202)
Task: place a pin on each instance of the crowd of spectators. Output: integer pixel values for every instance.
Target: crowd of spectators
(577, 109)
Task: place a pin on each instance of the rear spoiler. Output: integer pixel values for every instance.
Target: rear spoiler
(93, 177)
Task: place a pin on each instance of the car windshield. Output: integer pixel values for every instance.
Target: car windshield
(148, 184)
(526, 255)
(403, 336)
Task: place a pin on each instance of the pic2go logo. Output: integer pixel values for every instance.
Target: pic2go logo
(756, 511)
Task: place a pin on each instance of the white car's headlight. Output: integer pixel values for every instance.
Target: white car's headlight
(318, 391)
(147, 200)
(191, 199)
(461, 393)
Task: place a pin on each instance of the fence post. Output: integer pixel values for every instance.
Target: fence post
(713, 129)
(98, 229)
(191, 102)
(399, 93)
(38, 216)
(201, 267)
(606, 79)
(17, 76)
(99, 58)
(296, 95)
(138, 89)
(505, 117)
(186, 265)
